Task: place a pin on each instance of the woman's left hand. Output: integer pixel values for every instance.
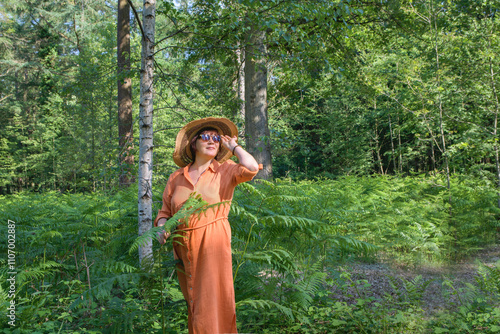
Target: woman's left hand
(229, 142)
(245, 158)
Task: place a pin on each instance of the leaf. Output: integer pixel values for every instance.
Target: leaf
(260, 303)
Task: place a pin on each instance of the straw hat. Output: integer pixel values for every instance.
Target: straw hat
(182, 154)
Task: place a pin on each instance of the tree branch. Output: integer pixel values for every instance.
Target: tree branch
(137, 18)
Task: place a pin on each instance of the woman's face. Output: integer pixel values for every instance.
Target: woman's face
(207, 146)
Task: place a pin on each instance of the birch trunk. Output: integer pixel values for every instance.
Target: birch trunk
(241, 81)
(145, 193)
(256, 120)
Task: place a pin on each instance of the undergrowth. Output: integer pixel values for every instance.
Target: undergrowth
(78, 272)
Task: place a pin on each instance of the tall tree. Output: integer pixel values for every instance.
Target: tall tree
(479, 44)
(125, 129)
(240, 54)
(280, 32)
(256, 117)
(145, 193)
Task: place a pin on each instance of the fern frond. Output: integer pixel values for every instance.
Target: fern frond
(488, 279)
(39, 272)
(277, 258)
(113, 266)
(145, 238)
(193, 205)
(265, 182)
(290, 221)
(103, 289)
(264, 303)
(302, 292)
(348, 244)
(249, 188)
(289, 199)
(243, 214)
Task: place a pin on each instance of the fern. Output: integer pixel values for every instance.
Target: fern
(348, 244)
(41, 271)
(409, 292)
(304, 290)
(488, 279)
(263, 304)
(250, 189)
(242, 213)
(286, 237)
(273, 263)
(114, 266)
(289, 221)
(193, 206)
(279, 259)
(103, 289)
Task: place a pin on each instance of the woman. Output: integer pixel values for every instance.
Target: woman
(202, 150)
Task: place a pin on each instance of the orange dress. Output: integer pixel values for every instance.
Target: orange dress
(206, 273)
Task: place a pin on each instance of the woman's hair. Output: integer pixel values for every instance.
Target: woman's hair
(192, 144)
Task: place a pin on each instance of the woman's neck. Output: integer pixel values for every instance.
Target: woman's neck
(200, 164)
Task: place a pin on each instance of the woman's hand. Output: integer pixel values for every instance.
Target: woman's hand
(245, 158)
(162, 236)
(229, 142)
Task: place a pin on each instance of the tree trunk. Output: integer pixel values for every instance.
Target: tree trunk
(392, 147)
(125, 129)
(400, 148)
(440, 106)
(145, 194)
(495, 126)
(240, 53)
(256, 120)
(444, 150)
(433, 156)
(495, 119)
(378, 148)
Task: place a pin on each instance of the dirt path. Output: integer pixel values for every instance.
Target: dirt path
(436, 296)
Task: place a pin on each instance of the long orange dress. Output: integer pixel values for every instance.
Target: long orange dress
(206, 275)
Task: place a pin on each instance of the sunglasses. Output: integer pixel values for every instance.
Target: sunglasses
(206, 137)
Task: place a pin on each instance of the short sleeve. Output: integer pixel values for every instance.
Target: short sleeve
(240, 173)
(166, 210)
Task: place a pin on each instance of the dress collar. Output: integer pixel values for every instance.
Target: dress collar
(214, 166)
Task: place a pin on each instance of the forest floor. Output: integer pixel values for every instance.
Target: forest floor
(436, 297)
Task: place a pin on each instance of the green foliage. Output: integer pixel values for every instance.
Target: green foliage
(317, 224)
(78, 270)
(75, 272)
(477, 306)
(354, 88)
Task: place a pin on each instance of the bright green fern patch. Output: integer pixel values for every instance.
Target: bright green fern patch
(77, 263)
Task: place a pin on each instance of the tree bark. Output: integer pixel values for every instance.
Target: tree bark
(440, 106)
(145, 194)
(256, 119)
(400, 148)
(125, 129)
(378, 148)
(392, 146)
(240, 53)
(495, 125)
